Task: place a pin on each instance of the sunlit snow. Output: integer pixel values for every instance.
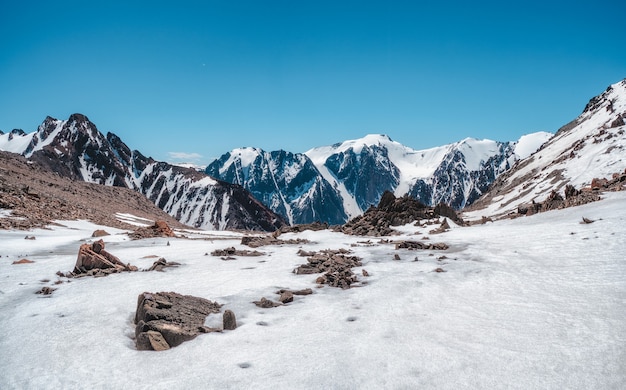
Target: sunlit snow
(534, 302)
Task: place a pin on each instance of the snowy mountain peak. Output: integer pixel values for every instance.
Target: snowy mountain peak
(530, 143)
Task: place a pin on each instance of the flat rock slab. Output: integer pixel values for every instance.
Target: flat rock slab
(176, 318)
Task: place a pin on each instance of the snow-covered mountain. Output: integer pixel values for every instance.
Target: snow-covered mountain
(288, 183)
(591, 146)
(74, 148)
(334, 183)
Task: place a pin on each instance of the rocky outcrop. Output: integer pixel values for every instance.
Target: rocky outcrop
(166, 319)
(412, 245)
(159, 229)
(231, 251)
(392, 211)
(257, 241)
(94, 260)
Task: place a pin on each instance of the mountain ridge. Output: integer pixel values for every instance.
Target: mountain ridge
(76, 149)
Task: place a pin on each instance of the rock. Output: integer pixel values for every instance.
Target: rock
(257, 241)
(396, 256)
(364, 272)
(151, 341)
(266, 303)
(160, 264)
(412, 245)
(445, 226)
(439, 270)
(229, 320)
(93, 256)
(286, 297)
(177, 318)
(585, 221)
(231, 251)
(305, 291)
(23, 261)
(335, 263)
(46, 290)
(159, 229)
(100, 233)
(29, 237)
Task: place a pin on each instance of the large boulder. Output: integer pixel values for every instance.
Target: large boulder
(176, 318)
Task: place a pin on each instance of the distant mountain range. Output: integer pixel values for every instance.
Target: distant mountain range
(338, 182)
(249, 188)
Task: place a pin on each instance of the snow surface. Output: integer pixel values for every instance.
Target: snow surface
(529, 143)
(535, 302)
(17, 144)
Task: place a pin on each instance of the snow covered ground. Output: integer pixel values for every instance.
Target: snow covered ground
(535, 302)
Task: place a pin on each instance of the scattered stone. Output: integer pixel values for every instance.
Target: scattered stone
(396, 256)
(337, 267)
(304, 291)
(364, 272)
(23, 261)
(445, 226)
(412, 245)
(177, 318)
(304, 253)
(100, 233)
(152, 339)
(29, 238)
(229, 320)
(587, 221)
(257, 241)
(46, 290)
(231, 251)
(286, 297)
(161, 264)
(439, 270)
(266, 303)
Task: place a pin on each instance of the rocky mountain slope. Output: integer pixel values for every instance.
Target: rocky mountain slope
(75, 149)
(591, 146)
(31, 195)
(335, 183)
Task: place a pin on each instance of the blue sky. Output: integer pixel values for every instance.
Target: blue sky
(204, 77)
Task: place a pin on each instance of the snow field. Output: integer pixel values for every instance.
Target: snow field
(535, 302)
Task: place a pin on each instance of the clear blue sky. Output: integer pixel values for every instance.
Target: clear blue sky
(204, 77)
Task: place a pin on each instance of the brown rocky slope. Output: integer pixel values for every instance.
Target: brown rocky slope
(35, 196)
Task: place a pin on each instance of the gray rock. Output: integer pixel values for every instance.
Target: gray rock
(230, 322)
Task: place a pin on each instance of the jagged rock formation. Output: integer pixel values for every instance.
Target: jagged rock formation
(75, 149)
(93, 259)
